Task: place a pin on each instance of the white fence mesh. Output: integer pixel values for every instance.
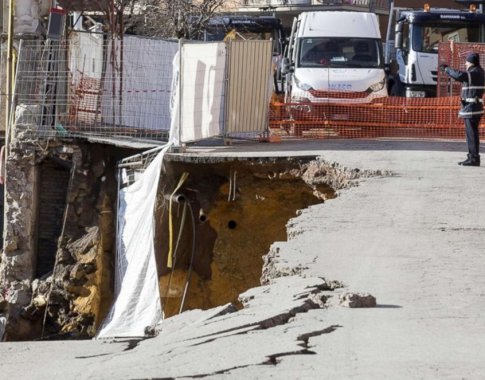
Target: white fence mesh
(89, 86)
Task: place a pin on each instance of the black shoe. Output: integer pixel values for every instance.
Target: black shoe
(470, 162)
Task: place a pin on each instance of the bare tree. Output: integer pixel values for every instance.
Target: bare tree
(171, 18)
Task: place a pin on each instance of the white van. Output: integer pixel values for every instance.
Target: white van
(334, 56)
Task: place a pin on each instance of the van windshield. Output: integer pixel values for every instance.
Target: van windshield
(340, 52)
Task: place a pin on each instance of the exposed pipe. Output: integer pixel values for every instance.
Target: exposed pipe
(191, 264)
(234, 186)
(230, 187)
(177, 197)
(174, 196)
(202, 216)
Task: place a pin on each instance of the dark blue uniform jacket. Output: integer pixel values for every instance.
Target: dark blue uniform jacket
(471, 92)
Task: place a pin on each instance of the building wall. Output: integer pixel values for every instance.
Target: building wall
(432, 3)
(44, 180)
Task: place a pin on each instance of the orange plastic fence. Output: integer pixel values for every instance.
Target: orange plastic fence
(454, 55)
(347, 116)
(385, 117)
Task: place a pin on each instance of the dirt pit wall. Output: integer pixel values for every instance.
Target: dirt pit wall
(239, 209)
(224, 218)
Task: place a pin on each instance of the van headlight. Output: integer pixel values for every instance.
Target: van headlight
(302, 86)
(378, 86)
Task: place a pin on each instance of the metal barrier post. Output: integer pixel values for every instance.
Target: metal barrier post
(225, 108)
(179, 116)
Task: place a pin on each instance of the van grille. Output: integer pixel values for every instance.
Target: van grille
(339, 94)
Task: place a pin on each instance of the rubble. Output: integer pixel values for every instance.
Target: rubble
(354, 300)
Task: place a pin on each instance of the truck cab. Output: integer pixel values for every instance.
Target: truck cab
(219, 28)
(418, 34)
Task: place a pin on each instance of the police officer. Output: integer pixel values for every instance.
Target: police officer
(471, 103)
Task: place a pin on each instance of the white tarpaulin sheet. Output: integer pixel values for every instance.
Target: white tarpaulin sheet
(202, 89)
(85, 72)
(147, 80)
(137, 304)
(85, 56)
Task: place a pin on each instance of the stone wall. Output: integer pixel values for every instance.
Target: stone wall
(17, 260)
(75, 294)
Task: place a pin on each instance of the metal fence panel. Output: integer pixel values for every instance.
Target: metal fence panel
(83, 87)
(143, 99)
(249, 86)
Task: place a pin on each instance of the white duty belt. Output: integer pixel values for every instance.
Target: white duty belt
(473, 100)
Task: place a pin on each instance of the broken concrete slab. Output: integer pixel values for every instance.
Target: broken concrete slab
(410, 240)
(184, 341)
(354, 300)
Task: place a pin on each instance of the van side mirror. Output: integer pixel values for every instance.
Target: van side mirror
(398, 40)
(285, 66)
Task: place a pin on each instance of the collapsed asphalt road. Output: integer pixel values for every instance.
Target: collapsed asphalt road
(414, 240)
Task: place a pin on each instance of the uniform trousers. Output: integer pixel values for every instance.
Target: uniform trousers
(472, 138)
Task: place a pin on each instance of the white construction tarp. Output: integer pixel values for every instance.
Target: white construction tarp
(85, 56)
(202, 90)
(85, 72)
(137, 305)
(146, 78)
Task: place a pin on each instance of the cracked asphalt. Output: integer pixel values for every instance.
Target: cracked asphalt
(413, 239)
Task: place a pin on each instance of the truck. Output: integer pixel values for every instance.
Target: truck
(334, 52)
(221, 28)
(413, 72)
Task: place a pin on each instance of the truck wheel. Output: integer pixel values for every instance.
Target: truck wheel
(397, 88)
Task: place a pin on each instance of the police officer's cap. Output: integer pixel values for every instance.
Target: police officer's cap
(473, 58)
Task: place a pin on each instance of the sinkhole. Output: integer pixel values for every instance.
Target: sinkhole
(213, 230)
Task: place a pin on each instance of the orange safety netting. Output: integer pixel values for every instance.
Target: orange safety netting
(454, 55)
(347, 115)
(384, 117)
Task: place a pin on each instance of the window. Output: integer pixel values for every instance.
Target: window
(426, 38)
(340, 52)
